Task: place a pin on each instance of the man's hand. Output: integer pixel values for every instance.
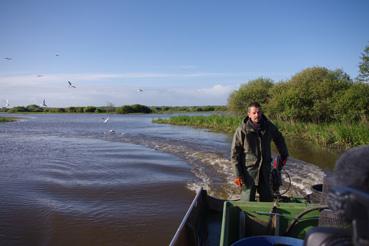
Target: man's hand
(279, 162)
(284, 161)
(238, 181)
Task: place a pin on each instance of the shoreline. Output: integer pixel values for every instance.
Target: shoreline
(337, 136)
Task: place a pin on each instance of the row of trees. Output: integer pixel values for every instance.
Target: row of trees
(126, 109)
(315, 95)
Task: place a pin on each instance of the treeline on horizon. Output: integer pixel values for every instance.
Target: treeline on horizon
(125, 109)
(314, 95)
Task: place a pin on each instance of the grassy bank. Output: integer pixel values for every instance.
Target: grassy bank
(334, 134)
(214, 122)
(7, 119)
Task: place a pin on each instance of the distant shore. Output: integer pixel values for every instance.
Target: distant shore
(125, 109)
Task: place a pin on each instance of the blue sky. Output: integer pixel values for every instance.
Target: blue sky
(177, 52)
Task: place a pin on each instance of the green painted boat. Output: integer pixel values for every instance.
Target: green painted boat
(212, 221)
(342, 219)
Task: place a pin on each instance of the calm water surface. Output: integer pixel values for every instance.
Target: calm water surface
(70, 179)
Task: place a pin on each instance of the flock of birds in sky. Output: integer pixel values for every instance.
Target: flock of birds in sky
(70, 85)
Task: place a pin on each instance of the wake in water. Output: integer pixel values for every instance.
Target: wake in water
(213, 170)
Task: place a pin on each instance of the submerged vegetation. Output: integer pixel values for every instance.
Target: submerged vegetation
(7, 119)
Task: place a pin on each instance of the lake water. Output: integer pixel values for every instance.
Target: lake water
(71, 179)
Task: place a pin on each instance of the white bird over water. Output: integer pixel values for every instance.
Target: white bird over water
(70, 84)
(8, 58)
(106, 119)
(139, 90)
(44, 103)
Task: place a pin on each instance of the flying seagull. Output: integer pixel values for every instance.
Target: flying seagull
(70, 84)
(106, 120)
(39, 75)
(7, 103)
(8, 58)
(139, 90)
(44, 103)
(56, 54)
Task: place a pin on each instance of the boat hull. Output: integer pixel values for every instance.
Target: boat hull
(211, 221)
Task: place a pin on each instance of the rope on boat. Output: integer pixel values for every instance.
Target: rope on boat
(299, 216)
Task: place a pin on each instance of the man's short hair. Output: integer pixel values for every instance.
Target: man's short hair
(253, 104)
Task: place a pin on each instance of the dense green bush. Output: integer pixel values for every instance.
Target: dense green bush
(124, 110)
(310, 95)
(314, 95)
(276, 107)
(254, 90)
(18, 109)
(89, 109)
(56, 110)
(100, 110)
(34, 108)
(136, 108)
(75, 109)
(353, 104)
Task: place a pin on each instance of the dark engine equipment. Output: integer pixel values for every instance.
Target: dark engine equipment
(353, 206)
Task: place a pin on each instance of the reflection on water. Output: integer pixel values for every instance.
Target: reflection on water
(70, 179)
(321, 156)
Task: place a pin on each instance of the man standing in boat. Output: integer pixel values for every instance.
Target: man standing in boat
(251, 154)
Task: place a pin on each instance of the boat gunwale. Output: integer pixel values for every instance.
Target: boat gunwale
(194, 202)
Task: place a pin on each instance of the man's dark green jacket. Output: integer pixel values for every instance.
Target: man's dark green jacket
(251, 150)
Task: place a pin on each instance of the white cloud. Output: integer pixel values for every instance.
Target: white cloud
(27, 79)
(217, 90)
(117, 94)
(120, 89)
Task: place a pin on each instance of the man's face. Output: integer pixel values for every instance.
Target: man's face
(254, 114)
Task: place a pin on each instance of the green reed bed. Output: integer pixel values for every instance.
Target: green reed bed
(214, 122)
(7, 119)
(333, 134)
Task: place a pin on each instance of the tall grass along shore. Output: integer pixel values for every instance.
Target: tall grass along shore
(7, 119)
(338, 135)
